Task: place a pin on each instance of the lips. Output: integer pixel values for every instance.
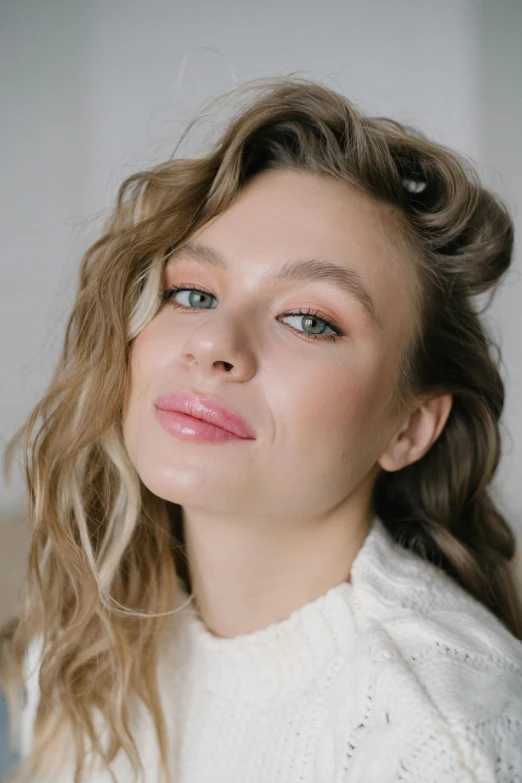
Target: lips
(207, 409)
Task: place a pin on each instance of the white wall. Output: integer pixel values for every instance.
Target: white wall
(94, 90)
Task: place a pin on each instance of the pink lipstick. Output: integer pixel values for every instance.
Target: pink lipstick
(200, 418)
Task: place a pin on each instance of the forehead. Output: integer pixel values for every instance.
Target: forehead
(281, 217)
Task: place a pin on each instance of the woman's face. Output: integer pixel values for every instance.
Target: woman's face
(320, 409)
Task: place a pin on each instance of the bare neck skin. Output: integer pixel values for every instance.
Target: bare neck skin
(245, 577)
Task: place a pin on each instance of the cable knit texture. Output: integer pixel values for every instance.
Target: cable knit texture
(395, 675)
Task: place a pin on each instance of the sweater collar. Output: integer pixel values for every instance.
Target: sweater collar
(285, 655)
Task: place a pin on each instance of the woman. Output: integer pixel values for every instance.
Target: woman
(265, 546)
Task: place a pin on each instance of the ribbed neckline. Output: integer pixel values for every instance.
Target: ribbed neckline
(283, 656)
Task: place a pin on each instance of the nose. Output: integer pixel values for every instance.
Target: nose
(221, 343)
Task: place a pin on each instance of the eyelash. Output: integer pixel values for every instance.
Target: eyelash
(168, 293)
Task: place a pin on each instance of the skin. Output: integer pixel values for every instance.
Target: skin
(271, 524)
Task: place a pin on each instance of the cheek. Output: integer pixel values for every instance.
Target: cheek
(350, 397)
(148, 354)
(344, 410)
(151, 352)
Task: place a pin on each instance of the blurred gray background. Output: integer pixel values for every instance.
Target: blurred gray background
(92, 91)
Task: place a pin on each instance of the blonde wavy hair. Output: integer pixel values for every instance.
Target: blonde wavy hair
(99, 537)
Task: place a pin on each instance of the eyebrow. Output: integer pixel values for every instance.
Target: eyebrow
(300, 270)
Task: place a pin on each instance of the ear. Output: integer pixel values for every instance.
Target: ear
(418, 433)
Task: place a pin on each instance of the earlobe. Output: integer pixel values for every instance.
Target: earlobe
(397, 455)
(416, 437)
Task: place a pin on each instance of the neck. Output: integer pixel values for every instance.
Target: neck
(244, 576)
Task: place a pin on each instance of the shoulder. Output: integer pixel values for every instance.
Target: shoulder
(447, 669)
(429, 615)
(60, 763)
(32, 663)
(465, 671)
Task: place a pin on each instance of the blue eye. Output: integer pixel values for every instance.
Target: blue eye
(312, 315)
(167, 295)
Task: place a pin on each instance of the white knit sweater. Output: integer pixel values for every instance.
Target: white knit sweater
(396, 675)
